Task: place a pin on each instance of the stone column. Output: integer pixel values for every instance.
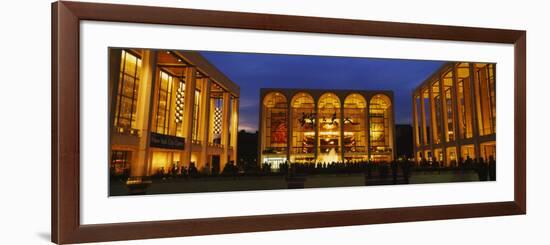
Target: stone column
(205, 122)
(475, 125)
(141, 163)
(225, 131)
(341, 123)
(444, 129)
(188, 106)
(367, 127)
(234, 128)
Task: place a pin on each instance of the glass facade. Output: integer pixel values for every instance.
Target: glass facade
(329, 129)
(163, 103)
(355, 130)
(304, 123)
(326, 126)
(150, 98)
(381, 135)
(127, 91)
(457, 107)
(275, 128)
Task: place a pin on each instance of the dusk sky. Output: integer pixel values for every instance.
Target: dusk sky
(254, 71)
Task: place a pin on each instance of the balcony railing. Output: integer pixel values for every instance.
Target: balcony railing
(355, 149)
(127, 131)
(274, 150)
(302, 150)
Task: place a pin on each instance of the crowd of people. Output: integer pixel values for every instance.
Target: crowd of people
(486, 169)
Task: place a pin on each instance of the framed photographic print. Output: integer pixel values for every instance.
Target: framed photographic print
(177, 122)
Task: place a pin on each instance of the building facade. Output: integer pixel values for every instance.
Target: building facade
(169, 110)
(324, 126)
(454, 114)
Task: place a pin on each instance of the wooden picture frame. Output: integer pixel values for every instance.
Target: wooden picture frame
(66, 226)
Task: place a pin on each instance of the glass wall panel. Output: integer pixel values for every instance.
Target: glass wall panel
(127, 91)
(448, 116)
(426, 116)
(438, 156)
(196, 116)
(355, 136)
(381, 135)
(274, 128)
(163, 103)
(467, 152)
(437, 108)
(418, 120)
(485, 98)
(451, 156)
(464, 100)
(488, 151)
(303, 128)
(329, 140)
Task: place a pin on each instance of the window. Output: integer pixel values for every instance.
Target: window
(464, 100)
(449, 109)
(485, 98)
(275, 123)
(196, 110)
(354, 123)
(303, 127)
(127, 91)
(437, 112)
(164, 98)
(380, 130)
(120, 163)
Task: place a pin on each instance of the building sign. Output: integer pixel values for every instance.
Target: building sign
(166, 141)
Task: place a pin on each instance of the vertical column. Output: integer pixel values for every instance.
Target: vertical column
(443, 113)
(225, 130)
(114, 76)
(234, 128)
(205, 123)
(391, 128)
(188, 105)
(172, 126)
(261, 129)
(416, 137)
(341, 123)
(141, 162)
(367, 126)
(289, 128)
(423, 121)
(454, 91)
(432, 118)
(316, 128)
(473, 81)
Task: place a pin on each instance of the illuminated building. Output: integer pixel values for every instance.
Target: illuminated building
(454, 114)
(324, 126)
(169, 110)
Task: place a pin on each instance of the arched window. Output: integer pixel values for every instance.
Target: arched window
(274, 128)
(303, 128)
(354, 123)
(381, 132)
(330, 140)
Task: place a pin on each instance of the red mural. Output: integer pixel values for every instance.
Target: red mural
(278, 128)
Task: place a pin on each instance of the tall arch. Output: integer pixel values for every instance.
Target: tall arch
(329, 128)
(274, 128)
(303, 128)
(381, 130)
(355, 129)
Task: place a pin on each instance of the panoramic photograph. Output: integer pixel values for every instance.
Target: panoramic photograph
(185, 121)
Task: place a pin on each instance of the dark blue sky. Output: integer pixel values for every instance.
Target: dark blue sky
(254, 71)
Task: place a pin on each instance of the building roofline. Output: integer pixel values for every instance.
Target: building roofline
(194, 58)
